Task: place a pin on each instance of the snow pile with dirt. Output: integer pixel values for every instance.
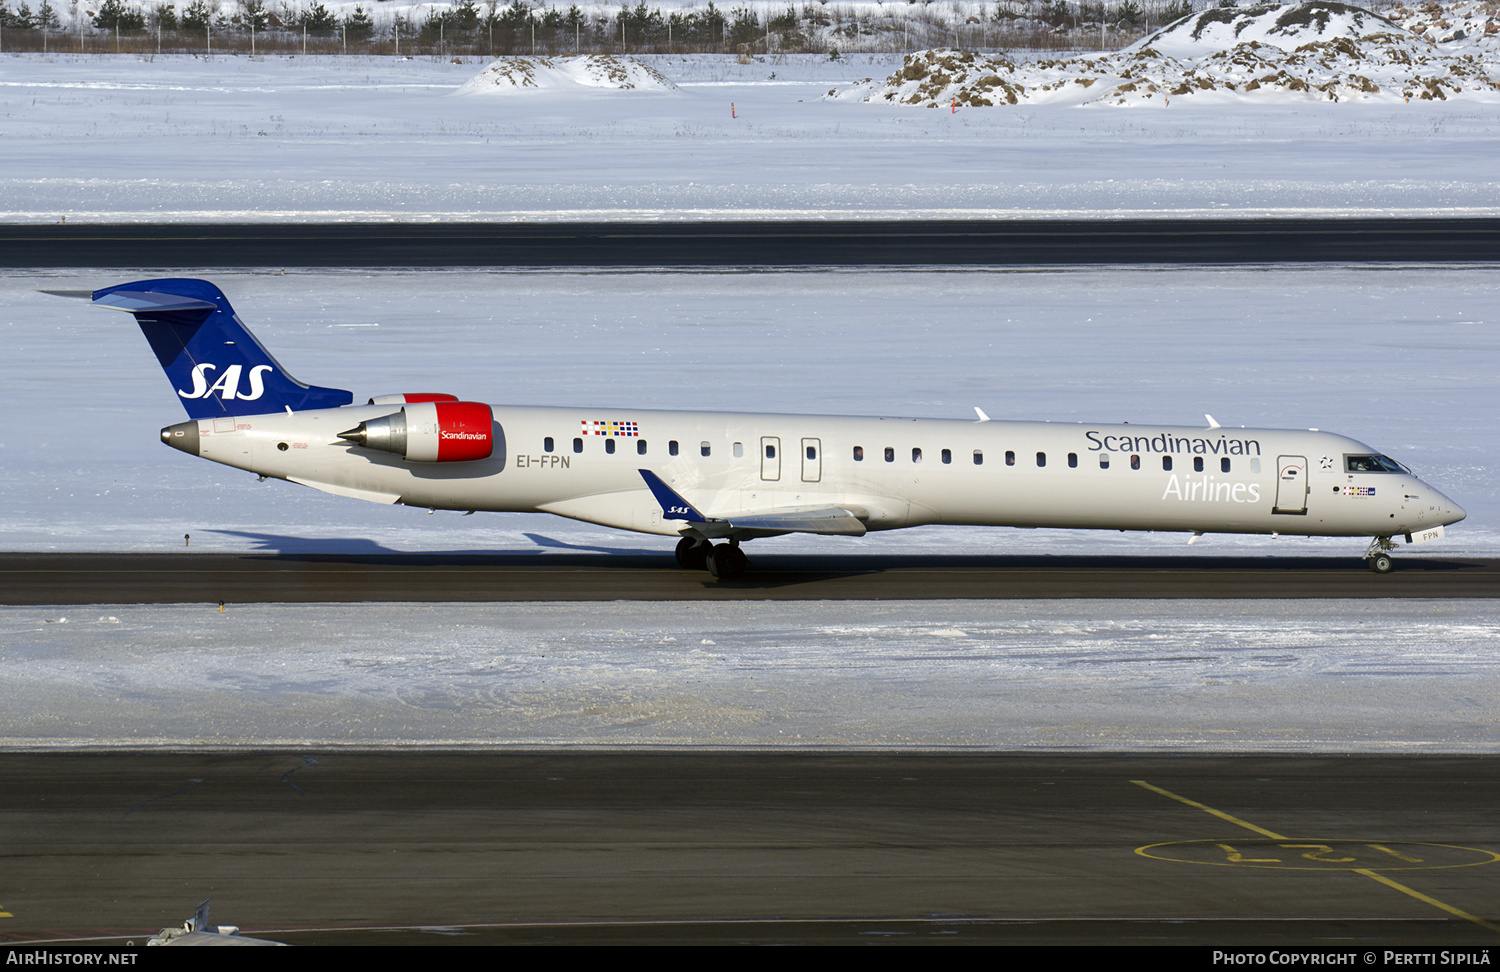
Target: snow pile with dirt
(516, 75)
(1316, 51)
(1465, 23)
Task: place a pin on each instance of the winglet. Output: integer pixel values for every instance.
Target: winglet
(673, 507)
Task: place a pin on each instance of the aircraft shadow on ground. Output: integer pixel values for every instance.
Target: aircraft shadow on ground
(294, 546)
(771, 570)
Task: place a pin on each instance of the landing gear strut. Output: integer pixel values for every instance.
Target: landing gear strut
(1378, 555)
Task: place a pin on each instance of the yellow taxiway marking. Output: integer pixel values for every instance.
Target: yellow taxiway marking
(1372, 875)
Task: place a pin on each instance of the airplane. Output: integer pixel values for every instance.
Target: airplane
(716, 480)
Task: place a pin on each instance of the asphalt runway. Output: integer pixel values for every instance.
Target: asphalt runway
(710, 847)
(788, 243)
(105, 578)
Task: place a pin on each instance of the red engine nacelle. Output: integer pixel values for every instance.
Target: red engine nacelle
(445, 431)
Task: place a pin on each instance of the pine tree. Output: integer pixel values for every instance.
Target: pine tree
(1176, 10)
(16, 19)
(197, 17)
(114, 15)
(359, 26)
(317, 20)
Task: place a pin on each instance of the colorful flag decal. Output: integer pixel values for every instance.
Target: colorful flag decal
(624, 429)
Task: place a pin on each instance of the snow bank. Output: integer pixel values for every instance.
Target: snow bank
(1285, 26)
(1320, 51)
(518, 75)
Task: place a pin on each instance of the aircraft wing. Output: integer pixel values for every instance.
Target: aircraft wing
(824, 520)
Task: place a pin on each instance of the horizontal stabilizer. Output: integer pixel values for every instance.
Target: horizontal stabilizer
(136, 301)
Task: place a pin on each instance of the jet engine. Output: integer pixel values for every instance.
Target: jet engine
(412, 397)
(430, 432)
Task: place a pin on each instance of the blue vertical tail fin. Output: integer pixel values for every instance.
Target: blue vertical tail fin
(215, 364)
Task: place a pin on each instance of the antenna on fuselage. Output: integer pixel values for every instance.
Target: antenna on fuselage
(1211, 423)
(980, 412)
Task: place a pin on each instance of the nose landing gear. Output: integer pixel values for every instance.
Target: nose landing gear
(1378, 555)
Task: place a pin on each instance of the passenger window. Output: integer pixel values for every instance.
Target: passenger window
(671, 447)
(890, 454)
(947, 456)
(1166, 463)
(704, 448)
(978, 457)
(1135, 462)
(1103, 461)
(547, 444)
(1072, 460)
(1041, 459)
(1224, 464)
(640, 447)
(770, 452)
(577, 445)
(812, 452)
(859, 453)
(1197, 464)
(609, 446)
(1255, 465)
(1010, 458)
(916, 455)
(739, 450)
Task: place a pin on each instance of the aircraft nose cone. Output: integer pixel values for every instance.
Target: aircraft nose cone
(1452, 512)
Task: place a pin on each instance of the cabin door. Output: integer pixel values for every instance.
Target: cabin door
(1291, 485)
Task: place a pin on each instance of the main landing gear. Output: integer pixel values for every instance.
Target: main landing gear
(1378, 555)
(721, 560)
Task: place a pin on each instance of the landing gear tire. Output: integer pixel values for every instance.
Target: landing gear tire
(692, 554)
(726, 560)
(1382, 563)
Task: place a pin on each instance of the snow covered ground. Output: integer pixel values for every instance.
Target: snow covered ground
(102, 138)
(1405, 359)
(1238, 676)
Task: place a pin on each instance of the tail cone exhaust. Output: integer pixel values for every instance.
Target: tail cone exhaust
(387, 434)
(183, 435)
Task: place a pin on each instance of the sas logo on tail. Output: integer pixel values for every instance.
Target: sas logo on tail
(228, 385)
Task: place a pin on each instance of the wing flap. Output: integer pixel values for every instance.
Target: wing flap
(826, 521)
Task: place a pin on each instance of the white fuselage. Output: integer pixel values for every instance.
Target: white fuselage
(895, 472)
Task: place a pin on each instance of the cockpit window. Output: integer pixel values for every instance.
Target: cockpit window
(1370, 464)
